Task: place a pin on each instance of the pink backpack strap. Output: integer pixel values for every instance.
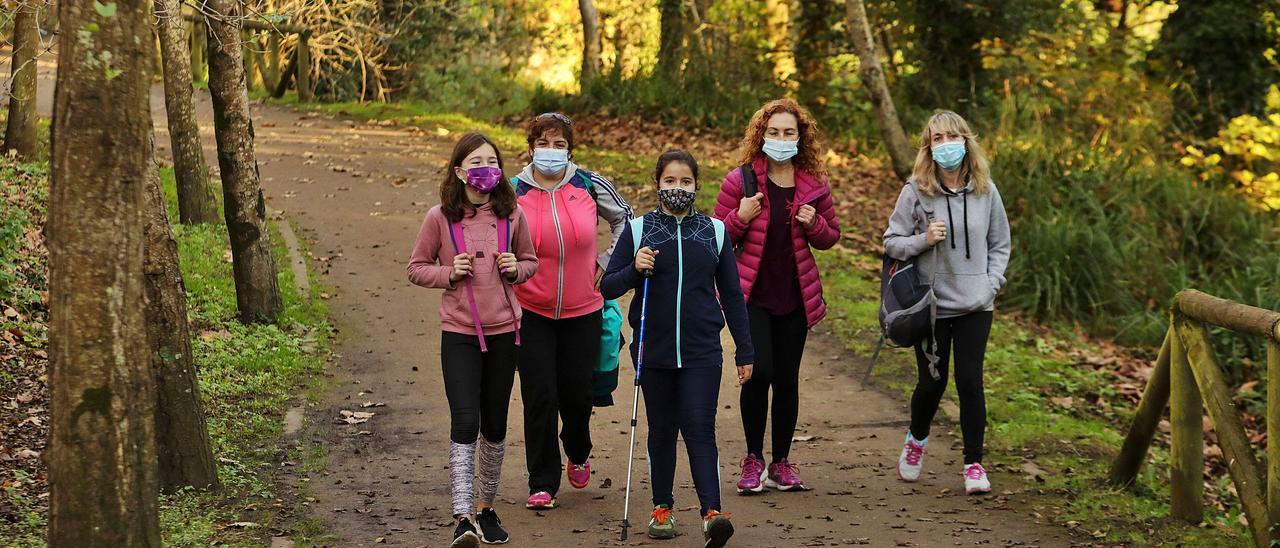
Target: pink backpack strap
(504, 246)
(460, 244)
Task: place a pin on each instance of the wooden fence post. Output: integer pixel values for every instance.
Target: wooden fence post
(303, 79)
(1236, 449)
(1150, 409)
(1186, 450)
(271, 75)
(1273, 436)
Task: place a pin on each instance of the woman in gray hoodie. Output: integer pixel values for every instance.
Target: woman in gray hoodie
(951, 212)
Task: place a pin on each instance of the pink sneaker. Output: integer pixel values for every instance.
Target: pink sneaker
(783, 477)
(752, 480)
(579, 474)
(541, 500)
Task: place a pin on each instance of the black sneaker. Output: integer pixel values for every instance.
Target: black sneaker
(491, 527)
(465, 535)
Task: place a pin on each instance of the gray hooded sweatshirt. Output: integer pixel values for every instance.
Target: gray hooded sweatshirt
(970, 262)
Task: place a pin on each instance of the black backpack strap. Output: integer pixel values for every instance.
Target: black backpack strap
(749, 184)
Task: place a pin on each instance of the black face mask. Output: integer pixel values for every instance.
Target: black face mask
(676, 200)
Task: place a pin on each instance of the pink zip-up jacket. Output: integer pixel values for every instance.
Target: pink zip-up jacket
(563, 223)
(432, 263)
(824, 233)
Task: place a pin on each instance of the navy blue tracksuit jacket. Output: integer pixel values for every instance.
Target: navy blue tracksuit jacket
(693, 292)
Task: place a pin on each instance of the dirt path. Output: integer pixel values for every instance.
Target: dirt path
(358, 191)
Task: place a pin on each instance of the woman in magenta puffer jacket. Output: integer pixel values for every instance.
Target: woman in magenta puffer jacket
(790, 211)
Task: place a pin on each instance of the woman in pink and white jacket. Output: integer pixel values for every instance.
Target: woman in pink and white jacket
(790, 212)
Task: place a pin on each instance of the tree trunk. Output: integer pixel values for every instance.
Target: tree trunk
(196, 203)
(20, 135)
(182, 438)
(895, 140)
(813, 49)
(778, 32)
(671, 39)
(590, 40)
(257, 291)
(102, 456)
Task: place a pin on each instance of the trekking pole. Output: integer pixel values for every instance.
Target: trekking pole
(635, 402)
(874, 354)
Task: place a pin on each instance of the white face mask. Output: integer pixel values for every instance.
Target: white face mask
(550, 161)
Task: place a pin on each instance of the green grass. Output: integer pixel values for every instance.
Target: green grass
(1024, 371)
(248, 374)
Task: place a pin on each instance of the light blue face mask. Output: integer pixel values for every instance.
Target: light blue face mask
(780, 151)
(950, 154)
(550, 161)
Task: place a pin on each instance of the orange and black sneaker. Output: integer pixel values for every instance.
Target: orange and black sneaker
(716, 529)
(662, 525)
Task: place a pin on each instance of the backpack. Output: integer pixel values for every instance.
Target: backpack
(604, 380)
(750, 186)
(908, 310)
(637, 233)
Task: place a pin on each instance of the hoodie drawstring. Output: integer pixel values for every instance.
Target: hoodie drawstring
(951, 221)
(964, 195)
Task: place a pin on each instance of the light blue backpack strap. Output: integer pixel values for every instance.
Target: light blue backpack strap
(637, 234)
(718, 225)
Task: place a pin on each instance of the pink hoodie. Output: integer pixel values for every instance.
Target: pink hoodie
(824, 233)
(432, 263)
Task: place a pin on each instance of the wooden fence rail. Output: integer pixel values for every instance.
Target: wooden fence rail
(262, 60)
(1188, 378)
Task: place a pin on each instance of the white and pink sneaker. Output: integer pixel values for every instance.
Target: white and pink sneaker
(975, 479)
(911, 461)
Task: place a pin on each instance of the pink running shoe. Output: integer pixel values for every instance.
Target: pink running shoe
(752, 480)
(541, 500)
(579, 474)
(783, 477)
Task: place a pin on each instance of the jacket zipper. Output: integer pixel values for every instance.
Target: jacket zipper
(555, 218)
(679, 287)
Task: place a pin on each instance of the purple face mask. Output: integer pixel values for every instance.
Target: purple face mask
(483, 179)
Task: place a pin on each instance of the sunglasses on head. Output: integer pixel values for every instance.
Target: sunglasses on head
(557, 116)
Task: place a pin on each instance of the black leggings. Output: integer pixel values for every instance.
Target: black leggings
(557, 360)
(478, 384)
(968, 334)
(779, 344)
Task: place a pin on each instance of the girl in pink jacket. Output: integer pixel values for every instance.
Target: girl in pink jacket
(786, 211)
(475, 245)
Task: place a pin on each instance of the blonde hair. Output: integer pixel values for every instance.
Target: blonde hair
(975, 168)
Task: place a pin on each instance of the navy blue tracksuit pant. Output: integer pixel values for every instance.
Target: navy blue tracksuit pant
(683, 401)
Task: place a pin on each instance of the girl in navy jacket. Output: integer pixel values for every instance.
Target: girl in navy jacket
(691, 260)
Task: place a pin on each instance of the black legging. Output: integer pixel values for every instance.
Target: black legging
(969, 334)
(779, 345)
(478, 385)
(557, 359)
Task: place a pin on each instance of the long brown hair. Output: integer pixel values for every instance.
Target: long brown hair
(809, 156)
(453, 195)
(975, 168)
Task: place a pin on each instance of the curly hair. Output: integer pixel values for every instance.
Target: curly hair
(810, 154)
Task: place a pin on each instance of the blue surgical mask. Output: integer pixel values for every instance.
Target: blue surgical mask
(950, 154)
(550, 161)
(780, 151)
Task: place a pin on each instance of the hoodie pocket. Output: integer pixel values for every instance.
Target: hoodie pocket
(964, 293)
